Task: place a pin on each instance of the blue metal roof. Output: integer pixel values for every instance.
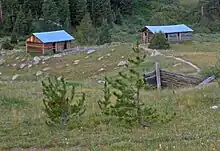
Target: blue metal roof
(53, 36)
(169, 28)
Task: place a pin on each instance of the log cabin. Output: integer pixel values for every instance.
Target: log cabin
(173, 33)
(49, 42)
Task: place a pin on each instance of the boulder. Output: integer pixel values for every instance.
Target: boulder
(100, 58)
(23, 65)
(30, 65)
(2, 61)
(46, 69)
(122, 63)
(36, 60)
(91, 51)
(39, 73)
(102, 69)
(15, 77)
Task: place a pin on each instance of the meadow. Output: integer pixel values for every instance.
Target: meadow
(195, 127)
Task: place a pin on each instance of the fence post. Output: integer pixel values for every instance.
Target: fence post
(158, 75)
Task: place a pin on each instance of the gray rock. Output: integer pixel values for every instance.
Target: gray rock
(122, 63)
(76, 62)
(36, 60)
(91, 51)
(46, 69)
(45, 58)
(109, 54)
(100, 58)
(214, 107)
(15, 77)
(155, 53)
(0, 73)
(59, 78)
(122, 57)
(13, 65)
(102, 69)
(2, 61)
(101, 82)
(30, 65)
(86, 57)
(23, 65)
(17, 58)
(57, 55)
(23, 60)
(39, 73)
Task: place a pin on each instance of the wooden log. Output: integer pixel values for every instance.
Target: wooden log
(158, 75)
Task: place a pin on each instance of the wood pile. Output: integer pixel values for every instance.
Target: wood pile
(168, 79)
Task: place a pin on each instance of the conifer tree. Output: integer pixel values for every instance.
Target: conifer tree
(50, 15)
(64, 12)
(57, 105)
(128, 107)
(19, 27)
(104, 35)
(78, 9)
(86, 33)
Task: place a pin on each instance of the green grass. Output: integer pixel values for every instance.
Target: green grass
(195, 127)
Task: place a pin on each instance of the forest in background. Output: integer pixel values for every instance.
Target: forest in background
(103, 21)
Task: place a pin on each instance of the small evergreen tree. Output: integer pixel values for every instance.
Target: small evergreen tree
(159, 42)
(86, 33)
(104, 35)
(118, 17)
(57, 105)
(14, 39)
(128, 107)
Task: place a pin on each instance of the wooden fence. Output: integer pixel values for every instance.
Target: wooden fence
(167, 79)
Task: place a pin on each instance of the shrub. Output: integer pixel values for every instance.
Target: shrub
(57, 105)
(159, 42)
(7, 45)
(128, 108)
(14, 39)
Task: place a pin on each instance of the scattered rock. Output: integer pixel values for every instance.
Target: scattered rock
(13, 65)
(91, 51)
(155, 53)
(30, 65)
(23, 65)
(76, 61)
(15, 77)
(122, 63)
(113, 50)
(59, 78)
(46, 69)
(108, 54)
(57, 55)
(102, 69)
(101, 82)
(43, 62)
(17, 58)
(2, 61)
(39, 73)
(214, 107)
(86, 57)
(23, 60)
(122, 57)
(100, 58)
(45, 58)
(67, 65)
(36, 60)
(0, 73)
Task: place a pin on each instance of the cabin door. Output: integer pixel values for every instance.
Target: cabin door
(54, 47)
(65, 45)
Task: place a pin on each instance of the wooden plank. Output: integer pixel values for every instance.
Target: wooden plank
(158, 75)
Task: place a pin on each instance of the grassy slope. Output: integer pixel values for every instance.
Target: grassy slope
(194, 128)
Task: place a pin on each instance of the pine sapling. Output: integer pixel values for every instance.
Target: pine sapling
(57, 105)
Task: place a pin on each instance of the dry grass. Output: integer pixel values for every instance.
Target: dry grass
(196, 126)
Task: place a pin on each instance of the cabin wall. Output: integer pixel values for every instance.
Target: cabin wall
(34, 47)
(33, 39)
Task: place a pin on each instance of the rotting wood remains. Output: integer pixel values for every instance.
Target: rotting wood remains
(168, 79)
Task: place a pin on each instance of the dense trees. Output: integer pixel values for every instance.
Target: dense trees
(26, 16)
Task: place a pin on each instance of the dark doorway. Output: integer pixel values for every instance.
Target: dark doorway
(54, 47)
(65, 45)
